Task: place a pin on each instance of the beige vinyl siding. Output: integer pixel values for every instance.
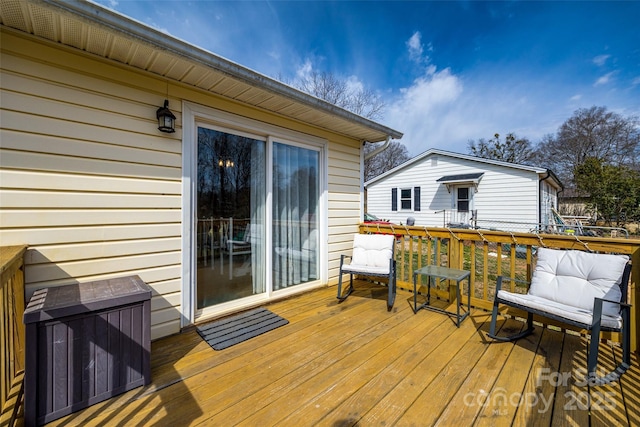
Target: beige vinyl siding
(94, 189)
(86, 181)
(344, 203)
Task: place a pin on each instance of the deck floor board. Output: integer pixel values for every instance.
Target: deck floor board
(354, 363)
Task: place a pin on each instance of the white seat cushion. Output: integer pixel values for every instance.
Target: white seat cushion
(562, 310)
(371, 254)
(363, 269)
(575, 278)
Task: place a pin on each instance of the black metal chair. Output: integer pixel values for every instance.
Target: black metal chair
(373, 255)
(581, 289)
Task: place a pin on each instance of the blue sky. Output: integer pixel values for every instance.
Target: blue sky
(449, 71)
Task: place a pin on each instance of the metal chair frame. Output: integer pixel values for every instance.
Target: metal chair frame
(391, 277)
(595, 328)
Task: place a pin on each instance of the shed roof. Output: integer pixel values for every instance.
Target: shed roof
(465, 177)
(108, 34)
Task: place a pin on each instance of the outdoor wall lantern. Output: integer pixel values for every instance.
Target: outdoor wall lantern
(166, 119)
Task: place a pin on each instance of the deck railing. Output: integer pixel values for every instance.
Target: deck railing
(12, 338)
(488, 254)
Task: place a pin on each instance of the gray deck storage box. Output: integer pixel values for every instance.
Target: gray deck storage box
(85, 343)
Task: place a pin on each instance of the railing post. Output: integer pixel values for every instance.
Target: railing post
(456, 259)
(12, 331)
(634, 298)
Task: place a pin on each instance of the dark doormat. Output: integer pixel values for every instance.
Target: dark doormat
(236, 329)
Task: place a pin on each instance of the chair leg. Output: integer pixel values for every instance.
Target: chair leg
(340, 296)
(349, 289)
(528, 331)
(494, 316)
(392, 286)
(594, 347)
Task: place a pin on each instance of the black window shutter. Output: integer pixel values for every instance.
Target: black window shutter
(416, 198)
(394, 199)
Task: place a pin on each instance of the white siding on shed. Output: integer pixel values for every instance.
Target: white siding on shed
(503, 193)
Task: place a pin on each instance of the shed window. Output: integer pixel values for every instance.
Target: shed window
(463, 199)
(409, 199)
(405, 198)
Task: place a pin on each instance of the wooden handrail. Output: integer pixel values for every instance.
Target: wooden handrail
(12, 335)
(490, 253)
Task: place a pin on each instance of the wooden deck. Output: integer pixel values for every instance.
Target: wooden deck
(354, 363)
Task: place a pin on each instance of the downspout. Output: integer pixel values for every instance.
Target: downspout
(380, 149)
(540, 195)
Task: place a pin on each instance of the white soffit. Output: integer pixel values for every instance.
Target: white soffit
(92, 28)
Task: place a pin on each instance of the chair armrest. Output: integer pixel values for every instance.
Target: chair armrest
(342, 257)
(620, 303)
(597, 310)
(597, 303)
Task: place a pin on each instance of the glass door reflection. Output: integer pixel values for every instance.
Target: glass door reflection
(231, 214)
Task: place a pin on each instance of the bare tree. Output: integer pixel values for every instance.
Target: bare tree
(359, 100)
(393, 156)
(591, 133)
(512, 150)
(331, 88)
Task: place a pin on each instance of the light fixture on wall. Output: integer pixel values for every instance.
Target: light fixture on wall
(166, 119)
(226, 163)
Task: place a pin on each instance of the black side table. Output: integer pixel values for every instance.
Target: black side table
(437, 272)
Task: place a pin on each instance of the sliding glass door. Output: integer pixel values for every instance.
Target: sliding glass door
(295, 215)
(230, 232)
(257, 202)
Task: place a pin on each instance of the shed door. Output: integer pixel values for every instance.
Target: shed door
(461, 204)
(463, 199)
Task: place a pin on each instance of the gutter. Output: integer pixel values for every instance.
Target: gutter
(115, 21)
(549, 174)
(378, 150)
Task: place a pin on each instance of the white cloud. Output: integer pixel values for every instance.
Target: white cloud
(415, 45)
(576, 97)
(354, 84)
(604, 79)
(601, 59)
(416, 48)
(274, 55)
(421, 110)
(304, 70)
(636, 81)
(444, 110)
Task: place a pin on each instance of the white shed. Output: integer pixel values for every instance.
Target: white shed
(444, 189)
